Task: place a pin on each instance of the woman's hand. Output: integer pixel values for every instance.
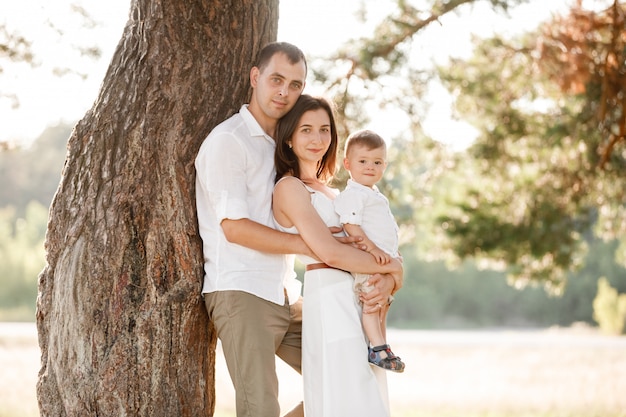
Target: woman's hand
(378, 297)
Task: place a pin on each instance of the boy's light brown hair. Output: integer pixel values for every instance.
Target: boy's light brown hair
(366, 138)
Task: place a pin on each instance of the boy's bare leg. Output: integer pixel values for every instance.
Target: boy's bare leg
(373, 331)
(383, 321)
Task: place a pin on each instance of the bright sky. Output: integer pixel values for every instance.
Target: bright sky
(316, 26)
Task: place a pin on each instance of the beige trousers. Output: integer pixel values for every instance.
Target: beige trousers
(253, 331)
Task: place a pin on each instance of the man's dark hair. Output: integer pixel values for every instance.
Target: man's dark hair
(293, 53)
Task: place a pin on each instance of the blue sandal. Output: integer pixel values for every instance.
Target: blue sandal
(390, 363)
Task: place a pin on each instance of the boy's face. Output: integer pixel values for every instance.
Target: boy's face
(366, 166)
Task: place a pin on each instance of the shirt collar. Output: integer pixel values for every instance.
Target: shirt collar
(356, 184)
(253, 126)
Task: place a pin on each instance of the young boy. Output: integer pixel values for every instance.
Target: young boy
(365, 212)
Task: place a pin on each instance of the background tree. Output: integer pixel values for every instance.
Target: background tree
(19, 51)
(120, 319)
(13, 48)
(21, 259)
(32, 173)
(546, 172)
(379, 69)
(380, 72)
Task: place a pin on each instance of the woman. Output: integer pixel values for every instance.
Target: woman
(338, 381)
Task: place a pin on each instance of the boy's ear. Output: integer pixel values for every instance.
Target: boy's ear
(346, 164)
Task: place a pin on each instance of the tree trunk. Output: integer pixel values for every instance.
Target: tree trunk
(122, 327)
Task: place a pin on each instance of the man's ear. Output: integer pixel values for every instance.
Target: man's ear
(254, 76)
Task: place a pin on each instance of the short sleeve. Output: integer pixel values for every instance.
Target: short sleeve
(349, 206)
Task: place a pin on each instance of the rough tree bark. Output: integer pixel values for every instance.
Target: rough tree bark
(122, 328)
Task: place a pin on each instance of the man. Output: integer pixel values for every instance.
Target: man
(250, 288)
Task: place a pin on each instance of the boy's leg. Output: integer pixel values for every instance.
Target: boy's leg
(372, 329)
(382, 318)
(371, 321)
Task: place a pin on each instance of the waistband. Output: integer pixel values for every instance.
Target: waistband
(312, 267)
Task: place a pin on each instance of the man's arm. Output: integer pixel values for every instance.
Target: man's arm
(253, 235)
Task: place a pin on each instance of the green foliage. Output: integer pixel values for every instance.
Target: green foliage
(29, 178)
(21, 260)
(434, 296)
(33, 173)
(529, 191)
(609, 308)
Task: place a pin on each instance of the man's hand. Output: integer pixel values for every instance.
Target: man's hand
(378, 297)
(348, 240)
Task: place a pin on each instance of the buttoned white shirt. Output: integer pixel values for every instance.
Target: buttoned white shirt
(235, 180)
(369, 208)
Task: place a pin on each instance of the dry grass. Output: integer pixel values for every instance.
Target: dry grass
(19, 364)
(550, 373)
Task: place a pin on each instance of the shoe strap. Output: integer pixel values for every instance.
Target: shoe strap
(380, 348)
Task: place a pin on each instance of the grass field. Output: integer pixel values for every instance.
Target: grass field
(542, 373)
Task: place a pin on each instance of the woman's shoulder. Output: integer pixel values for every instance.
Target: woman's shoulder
(290, 182)
(288, 178)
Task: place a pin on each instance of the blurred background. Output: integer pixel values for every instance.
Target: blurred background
(506, 125)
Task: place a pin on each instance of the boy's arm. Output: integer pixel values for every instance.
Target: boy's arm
(380, 255)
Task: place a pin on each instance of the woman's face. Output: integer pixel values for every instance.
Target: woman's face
(311, 139)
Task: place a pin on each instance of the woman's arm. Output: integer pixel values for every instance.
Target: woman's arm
(292, 201)
(253, 235)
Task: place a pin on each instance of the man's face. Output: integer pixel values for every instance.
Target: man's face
(276, 87)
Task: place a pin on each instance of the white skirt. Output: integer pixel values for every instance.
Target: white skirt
(338, 379)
